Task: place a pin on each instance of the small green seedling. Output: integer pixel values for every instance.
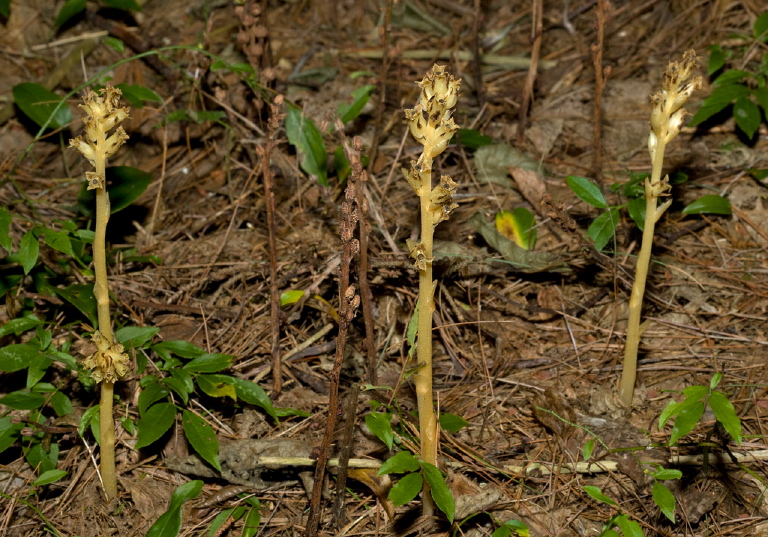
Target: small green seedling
(629, 528)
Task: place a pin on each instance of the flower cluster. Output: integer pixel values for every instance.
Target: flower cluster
(109, 363)
(103, 114)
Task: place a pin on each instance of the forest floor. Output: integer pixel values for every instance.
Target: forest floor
(529, 353)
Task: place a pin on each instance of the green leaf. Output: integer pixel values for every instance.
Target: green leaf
(603, 228)
(452, 423)
(37, 369)
(252, 521)
(506, 529)
(152, 393)
(687, 418)
(61, 404)
(169, 523)
(709, 204)
(218, 521)
(629, 528)
(587, 190)
(179, 387)
(136, 336)
(17, 356)
(303, 134)
(5, 8)
(400, 463)
(695, 393)
(46, 478)
(5, 230)
(209, 363)
(720, 97)
(9, 432)
(23, 400)
(119, 46)
(28, 251)
(202, 437)
(69, 10)
(636, 208)
(598, 495)
(184, 349)
(732, 76)
(360, 98)
(80, 295)
(291, 297)
(665, 473)
(760, 29)
(747, 116)
(716, 59)
(726, 415)
(440, 491)
(472, 138)
(86, 419)
(665, 500)
(406, 489)
(40, 459)
(136, 94)
(214, 386)
(155, 423)
(588, 448)
(42, 105)
(518, 225)
(58, 240)
(379, 424)
(252, 393)
(716, 378)
(125, 5)
(125, 185)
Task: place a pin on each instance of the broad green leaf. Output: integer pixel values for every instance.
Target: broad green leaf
(125, 185)
(40, 459)
(209, 363)
(379, 424)
(218, 521)
(202, 437)
(23, 400)
(58, 240)
(586, 451)
(760, 29)
(252, 393)
(152, 393)
(400, 463)
(252, 521)
(46, 478)
(518, 225)
(636, 208)
(5, 8)
(61, 404)
(303, 134)
(179, 387)
(629, 528)
(179, 348)
(732, 76)
(440, 491)
(360, 97)
(761, 94)
(506, 529)
(17, 326)
(136, 336)
(9, 432)
(136, 94)
(119, 46)
(155, 423)
(291, 297)
(747, 116)
(665, 473)
(125, 5)
(86, 419)
(695, 393)
(603, 228)
(28, 251)
(598, 495)
(726, 415)
(709, 204)
(720, 97)
(452, 423)
(215, 387)
(36, 370)
(587, 191)
(716, 378)
(610, 533)
(5, 230)
(169, 523)
(17, 356)
(80, 295)
(39, 105)
(472, 138)
(69, 10)
(716, 59)
(406, 489)
(687, 418)
(665, 500)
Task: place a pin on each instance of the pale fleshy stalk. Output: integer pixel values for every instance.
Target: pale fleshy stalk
(667, 117)
(109, 362)
(431, 125)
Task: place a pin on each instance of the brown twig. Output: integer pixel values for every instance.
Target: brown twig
(386, 61)
(601, 74)
(536, 30)
(275, 122)
(349, 301)
(350, 409)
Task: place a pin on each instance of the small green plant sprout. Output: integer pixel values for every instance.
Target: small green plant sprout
(511, 528)
(744, 90)
(687, 413)
(662, 496)
(109, 363)
(629, 528)
(667, 116)
(431, 124)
